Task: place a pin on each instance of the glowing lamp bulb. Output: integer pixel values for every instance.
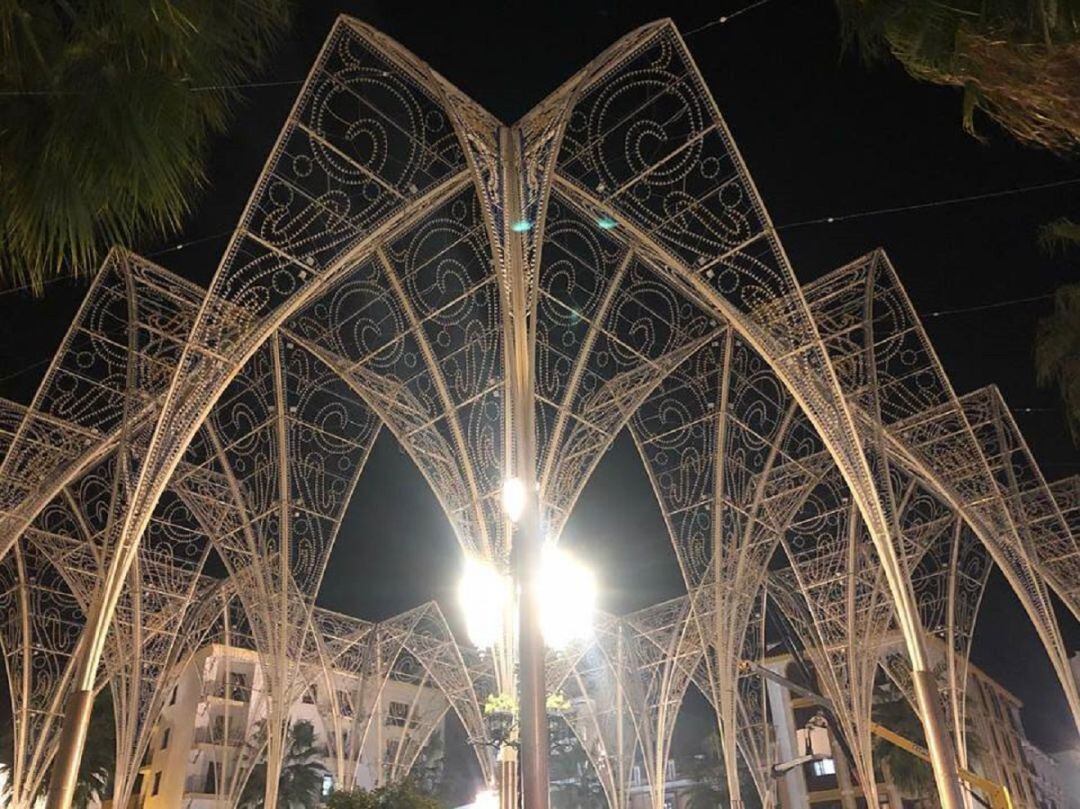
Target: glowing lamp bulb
(514, 497)
(567, 595)
(484, 594)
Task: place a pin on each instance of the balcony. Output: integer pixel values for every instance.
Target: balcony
(227, 691)
(199, 785)
(207, 735)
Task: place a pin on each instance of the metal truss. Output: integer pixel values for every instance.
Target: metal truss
(888, 368)
(358, 660)
(407, 260)
(625, 690)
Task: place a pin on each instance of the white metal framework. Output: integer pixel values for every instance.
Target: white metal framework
(408, 261)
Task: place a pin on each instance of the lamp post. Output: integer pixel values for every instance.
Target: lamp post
(563, 594)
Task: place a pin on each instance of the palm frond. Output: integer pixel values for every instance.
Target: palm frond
(105, 128)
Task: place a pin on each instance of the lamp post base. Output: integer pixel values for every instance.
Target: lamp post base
(508, 778)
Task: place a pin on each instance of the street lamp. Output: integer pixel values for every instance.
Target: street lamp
(567, 592)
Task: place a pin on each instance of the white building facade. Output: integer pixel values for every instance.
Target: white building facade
(209, 735)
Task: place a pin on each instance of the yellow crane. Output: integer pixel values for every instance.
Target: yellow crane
(997, 793)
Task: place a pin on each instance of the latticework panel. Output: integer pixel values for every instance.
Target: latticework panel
(753, 723)
(1043, 530)
(600, 717)
(72, 532)
(660, 651)
(625, 693)
(361, 661)
(730, 455)
(39, 634)
(910, 416)
(834, 597)
(103, 386)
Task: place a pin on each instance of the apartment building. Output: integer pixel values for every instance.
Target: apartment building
(210, 731)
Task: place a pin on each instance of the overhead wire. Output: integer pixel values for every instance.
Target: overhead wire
(249, 85)
(983, 306)
(937, 203)
(726, 18)
(172, 248)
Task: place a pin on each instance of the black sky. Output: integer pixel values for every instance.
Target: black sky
(822, 136)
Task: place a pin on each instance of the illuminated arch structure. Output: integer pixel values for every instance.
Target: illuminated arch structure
(407, 261)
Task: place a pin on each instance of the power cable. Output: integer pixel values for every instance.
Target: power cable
(937, 203)
(173, 248)
(724, 19)
(983, 306)
(196, 89)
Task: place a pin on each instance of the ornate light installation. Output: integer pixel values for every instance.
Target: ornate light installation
(505, 300)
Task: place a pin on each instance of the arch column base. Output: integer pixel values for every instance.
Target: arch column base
(65, 766)
(940, 746)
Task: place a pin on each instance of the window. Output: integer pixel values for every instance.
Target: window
(157, 783)
(824, 766)
(165, 738)
(669, 769)
(344, 704)
(327, 785)
(210, 784)
(311, 696)
(635, 775)
(397, 714)
(391, 749)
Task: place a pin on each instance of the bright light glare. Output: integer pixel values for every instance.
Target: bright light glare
(567, 592)
(483, 595)
(486, 799)
(513, 498)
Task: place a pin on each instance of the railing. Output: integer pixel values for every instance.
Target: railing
(217, 735)
(199, 784)
(240, 693)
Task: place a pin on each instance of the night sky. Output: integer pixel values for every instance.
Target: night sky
(821, 134)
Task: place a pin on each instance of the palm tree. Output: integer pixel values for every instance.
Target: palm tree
(912, 777)
(99, 756)
(1017, 61)
(574, 782)
(106, 110)
(706, 771)
(302, 772)
(1057, 353)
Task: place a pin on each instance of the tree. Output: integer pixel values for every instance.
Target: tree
(912, 776)
(99, 756)
(106, 111)
(705, 769)
(98, 762)
(1057, 338)
(401, 795)
(1017, 61)
(574, 783)
(302, 771)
